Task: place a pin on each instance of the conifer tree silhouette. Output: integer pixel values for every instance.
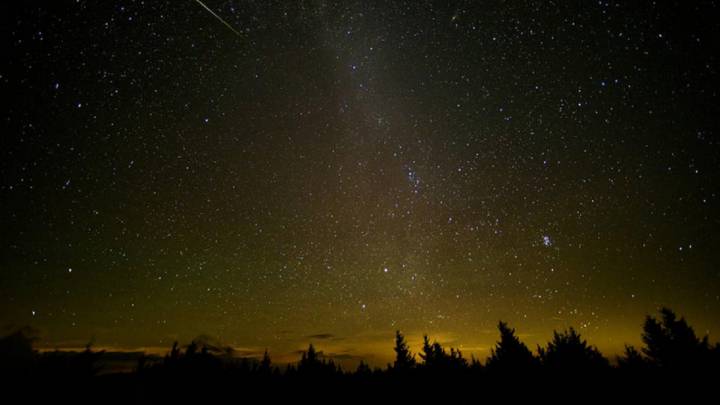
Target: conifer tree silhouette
(632, 360)
(309, 362)
(436, 358)
(265, 366)
(568, 352)
(510, 354)
(404, 360)
(431, 353)
(670, 343)
(363, 370)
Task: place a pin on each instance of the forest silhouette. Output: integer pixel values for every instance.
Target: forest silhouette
(671, 355)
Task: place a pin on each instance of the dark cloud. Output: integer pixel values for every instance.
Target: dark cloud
(343, 356)
(248, 353)
(322, 336)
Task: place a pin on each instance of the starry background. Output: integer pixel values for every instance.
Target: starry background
(333, 172)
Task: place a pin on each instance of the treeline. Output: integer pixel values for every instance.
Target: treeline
(670, 351)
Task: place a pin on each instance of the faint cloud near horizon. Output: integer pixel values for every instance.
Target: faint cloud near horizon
(324, 336)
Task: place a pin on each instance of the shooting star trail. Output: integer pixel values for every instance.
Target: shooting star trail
(217, 16)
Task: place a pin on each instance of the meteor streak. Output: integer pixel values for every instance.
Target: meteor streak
(217, 16)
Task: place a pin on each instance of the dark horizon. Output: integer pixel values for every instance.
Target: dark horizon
(673, 362)
(663, 337)
(348, 361)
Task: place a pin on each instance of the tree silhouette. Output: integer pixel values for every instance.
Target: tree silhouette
(363, 370)
(309, 357)
(568, 352)
(191, 349)
(670, 343)
(311, 364)
(456, 361)
(265, 366)
(87, 363)
(510, 354)
(433, 354)
(475, 364)
(17, 354)
(404, 360)
(714, 357)
(436, 358)
(632, 360)
(191, 372)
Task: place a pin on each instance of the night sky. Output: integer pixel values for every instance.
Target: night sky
(331, 172)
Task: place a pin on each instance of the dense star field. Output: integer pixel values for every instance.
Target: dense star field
(283, 173)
